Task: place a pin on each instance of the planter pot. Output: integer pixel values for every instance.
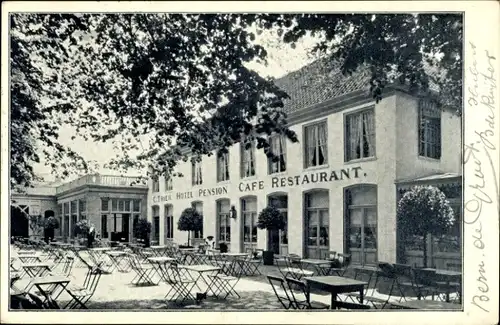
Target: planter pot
(268, 257)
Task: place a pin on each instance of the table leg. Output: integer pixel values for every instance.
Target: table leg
(361, 294)
(333, 301)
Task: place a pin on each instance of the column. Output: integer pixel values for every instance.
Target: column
(161, 240)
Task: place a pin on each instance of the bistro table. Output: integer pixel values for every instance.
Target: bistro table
(201, 269)
(57, 285)
(160, 261)
(448, 276)
(159, 250)
(99, 252)
(426, 304)
(119, 260)
(316, 264)
(30, 258)
(335, 285)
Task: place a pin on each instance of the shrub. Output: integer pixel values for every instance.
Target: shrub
(271, 218)
(425, 210)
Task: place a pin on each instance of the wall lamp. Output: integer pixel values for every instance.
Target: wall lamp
(233, 212)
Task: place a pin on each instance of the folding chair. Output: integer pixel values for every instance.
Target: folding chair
(253, 262)
(225, 265)
(426, 282)
(81, 295)
(104, 263)
(223, 284)
(345, 262)
(277, 282)
(325, 269)
(293, 268)
(181, 286)
(299, 290)
(67, 266)
(143, 272)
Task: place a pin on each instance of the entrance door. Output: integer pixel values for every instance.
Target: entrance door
(19, 223)
(317, 224)
(362, 225)
(125, 228)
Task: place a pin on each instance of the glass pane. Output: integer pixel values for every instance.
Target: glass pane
(66, 208)
(355, 237)
(317, 199)
(127, 205)
(104, 205)
(156, 211)
(137, 205)
(224, 206)
(356, 217)
(324, 228)
(250, 204)
(363, 195)
(121, 205)
(114, 204)
(371, 217)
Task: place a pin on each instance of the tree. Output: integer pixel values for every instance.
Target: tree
(190, 220)
(424, 210)
(271, 218)
(180, 81)
(82, 228)
(50, 224)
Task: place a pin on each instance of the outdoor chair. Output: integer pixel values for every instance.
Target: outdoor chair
(225, 265)
(345, 262)
(278, 284)
(81, 295)
(223, 284)
(406, 281)
(181, 286)
(66, 266)
(425, 282)
(301, 297)
(143, 272)
(293, 268)
(104, 262)
(253, 262)
(326, 269)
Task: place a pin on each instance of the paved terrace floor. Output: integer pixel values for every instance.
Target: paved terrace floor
(116, 292)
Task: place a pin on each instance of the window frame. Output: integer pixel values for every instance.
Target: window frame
(253, 215)
(270, 162)
(244, 162)
(423, 131)
(317, 125)
(347, 136)
(169, 221)
(196, 168)
(227, 220)
(226, 167)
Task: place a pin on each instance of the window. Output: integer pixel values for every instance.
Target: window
(222, 166)
(156, 185)
(249, 208)
(317, 219)
(169, 221)
(196, 173)
(224, 221)
(315, 145)
(277, 163)
(429, 130)
(104, 204)
(360, 135)
(168, 183)
(82, 209)
(104, 225)
(247, 159)
(137, 205)
(281, 203)
(198, 206)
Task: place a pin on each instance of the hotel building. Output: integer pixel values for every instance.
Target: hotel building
(338, 186)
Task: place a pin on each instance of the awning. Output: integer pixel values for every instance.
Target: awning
(432, 179)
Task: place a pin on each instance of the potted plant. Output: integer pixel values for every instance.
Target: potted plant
(82, 229)
(51, 223)
(424, 210)
(142, 230)
(190, 220)
(271, 219)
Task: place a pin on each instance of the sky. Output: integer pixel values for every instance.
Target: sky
(282, 59)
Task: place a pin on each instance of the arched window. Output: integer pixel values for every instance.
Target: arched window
(317, 221)
(198, 206)
(223, 221)
(249, 217)
(361, 223)
(169, 221)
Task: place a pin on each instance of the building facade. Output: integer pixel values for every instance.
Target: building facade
(338, 186)
(111, 203)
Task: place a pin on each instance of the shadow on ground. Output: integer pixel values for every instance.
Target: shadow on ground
(248, 300)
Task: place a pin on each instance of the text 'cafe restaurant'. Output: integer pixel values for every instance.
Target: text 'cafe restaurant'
(338, 187)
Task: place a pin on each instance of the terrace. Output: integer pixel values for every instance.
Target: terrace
(103, 180)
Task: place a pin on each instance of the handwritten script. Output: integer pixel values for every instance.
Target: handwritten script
(480, 97)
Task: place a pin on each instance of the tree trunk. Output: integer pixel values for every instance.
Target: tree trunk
(425, 250)
(189, 236)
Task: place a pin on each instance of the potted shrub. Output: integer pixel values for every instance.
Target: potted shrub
(271, 219)
(82, 229)
(424, 210)
(51, 223)
(190, 220)
(142, 231)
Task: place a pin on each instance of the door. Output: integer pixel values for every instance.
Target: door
(362, 235)
(125, 234)
(19, 223)
(317, 224)
(274, 241)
